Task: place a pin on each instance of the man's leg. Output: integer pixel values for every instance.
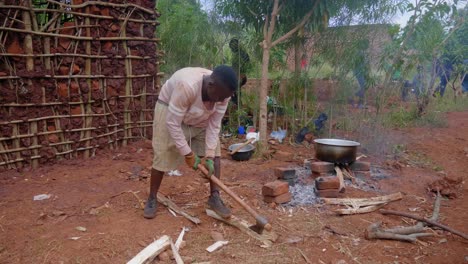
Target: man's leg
(214, 201)
(155, 183)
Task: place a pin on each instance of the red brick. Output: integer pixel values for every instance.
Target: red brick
(275, 188)
(284, 198)
(15, 47)
(322, 166)
(62, 89)
(360, 166)
(362, 174)
(53, 138)
(76, 69)
(330, 193)
(105, 12)
(107, 46)
(75, 110)
(328, 182)
(285, 173)
(64, 70)
(323, 174)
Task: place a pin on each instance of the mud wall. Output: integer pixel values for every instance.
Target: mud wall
(75, 77)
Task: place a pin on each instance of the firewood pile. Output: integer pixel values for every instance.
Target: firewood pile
(75, 77)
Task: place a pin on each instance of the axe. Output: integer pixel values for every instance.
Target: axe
(261, 222)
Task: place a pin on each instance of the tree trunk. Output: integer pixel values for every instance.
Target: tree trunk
(297, 57)
(263, 95)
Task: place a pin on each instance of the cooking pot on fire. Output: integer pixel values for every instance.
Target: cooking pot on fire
(336, 150)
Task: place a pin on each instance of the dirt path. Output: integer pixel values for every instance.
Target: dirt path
(92, 194)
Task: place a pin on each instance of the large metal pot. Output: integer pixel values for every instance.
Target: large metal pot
(336, 150)
(244, 153)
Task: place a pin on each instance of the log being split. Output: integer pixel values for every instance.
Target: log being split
(267, 237)
(167, 202)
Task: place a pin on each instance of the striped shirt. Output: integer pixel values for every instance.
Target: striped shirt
(183, 94)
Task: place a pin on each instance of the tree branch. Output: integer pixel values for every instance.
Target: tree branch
(271, 28)
(295, 29)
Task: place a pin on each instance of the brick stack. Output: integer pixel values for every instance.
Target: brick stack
(361, 169)
(327, 183)
(276, 192)
(327, 186)
(286, 174)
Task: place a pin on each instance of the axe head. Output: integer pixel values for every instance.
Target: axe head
(262, 224)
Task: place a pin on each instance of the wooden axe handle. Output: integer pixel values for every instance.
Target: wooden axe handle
(260, 219)
(241, 146)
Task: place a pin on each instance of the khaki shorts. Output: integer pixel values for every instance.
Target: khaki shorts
(166, 155)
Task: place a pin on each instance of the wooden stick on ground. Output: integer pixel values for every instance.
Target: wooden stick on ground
(267, 237)
(167, 202)
(151, 251)
(422, 219)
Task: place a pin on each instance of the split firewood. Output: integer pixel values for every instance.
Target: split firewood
(267, 237)
(359, 202)
(339, 174)
(180, 239)
(151, 251)
(360, 210)
(167, 202)
(175, 253)
(362, 205)
(349, 174)
(216, 246)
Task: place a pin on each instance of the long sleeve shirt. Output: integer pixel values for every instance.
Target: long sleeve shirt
(183, 94)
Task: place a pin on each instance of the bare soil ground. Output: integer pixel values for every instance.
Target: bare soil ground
(92, 194)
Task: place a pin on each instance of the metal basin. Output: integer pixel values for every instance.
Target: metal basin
(244, 153)
(336, 150)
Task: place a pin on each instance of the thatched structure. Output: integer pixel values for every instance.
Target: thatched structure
(75, 77)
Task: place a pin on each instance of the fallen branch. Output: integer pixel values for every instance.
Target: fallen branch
(267, 237)
(422, 219)
(167, 202)
(420, 226)
(374, 232)
(151, 251)
(304, 256)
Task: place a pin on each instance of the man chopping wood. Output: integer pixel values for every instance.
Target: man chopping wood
(186, 125)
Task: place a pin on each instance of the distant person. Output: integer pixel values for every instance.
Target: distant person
(361, 70)
(240, 64)
(186, 125)
(444, 69)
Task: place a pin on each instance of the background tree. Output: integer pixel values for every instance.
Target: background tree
(190, 36)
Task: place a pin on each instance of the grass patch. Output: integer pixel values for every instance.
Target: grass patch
(401, 117)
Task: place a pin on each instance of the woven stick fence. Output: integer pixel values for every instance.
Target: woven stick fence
(75, 77)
